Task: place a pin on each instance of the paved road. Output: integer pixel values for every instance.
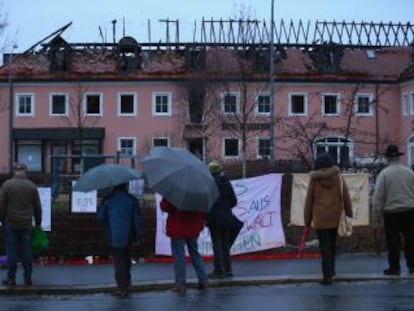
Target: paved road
(395, 295)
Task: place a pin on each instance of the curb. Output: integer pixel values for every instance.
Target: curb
(161, 285)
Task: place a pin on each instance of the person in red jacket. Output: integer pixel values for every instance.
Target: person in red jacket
(183, 228)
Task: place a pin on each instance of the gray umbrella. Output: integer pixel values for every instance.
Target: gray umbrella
(180, 177)
(105, 175)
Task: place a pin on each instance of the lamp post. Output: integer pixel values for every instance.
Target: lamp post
(10, 137)
(271, 87)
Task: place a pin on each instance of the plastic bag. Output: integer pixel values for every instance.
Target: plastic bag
(40, 240)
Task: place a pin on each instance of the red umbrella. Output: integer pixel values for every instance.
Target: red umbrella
(305, 234)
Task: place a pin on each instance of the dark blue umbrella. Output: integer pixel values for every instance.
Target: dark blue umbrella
(104, 176)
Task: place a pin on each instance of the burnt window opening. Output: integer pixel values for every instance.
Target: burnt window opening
(262, 60)
(129, 55)
(327, 57)
(59, 54)
(196, 97)
(195, 59)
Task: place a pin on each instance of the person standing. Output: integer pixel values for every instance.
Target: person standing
(121, 212)
(19, 205)
(220, 222)
(183, 228)
(323, 206)
(394, 199)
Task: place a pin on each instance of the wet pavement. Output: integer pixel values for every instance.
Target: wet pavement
(58, 279)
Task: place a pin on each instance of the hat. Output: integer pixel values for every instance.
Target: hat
(323, 160)
(20, 166)
(215, 167)
(392, 151)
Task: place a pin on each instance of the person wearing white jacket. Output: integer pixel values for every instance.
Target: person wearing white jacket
(394, 199)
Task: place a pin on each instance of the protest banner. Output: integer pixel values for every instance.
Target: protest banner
(358, 186)
(258, 207)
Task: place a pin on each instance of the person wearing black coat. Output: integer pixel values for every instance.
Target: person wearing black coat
(220, 221)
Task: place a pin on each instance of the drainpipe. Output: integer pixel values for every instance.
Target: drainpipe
(272, 86)
(10, 137)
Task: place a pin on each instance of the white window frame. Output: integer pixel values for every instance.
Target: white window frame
(257, 104)
(163, 138)
(135, 104)
(85, 103)
(66, 113)
(371, 109)
(224, 148)
(405, 104)
(134, 145)
(154, 103)
(305, 104)
(237, 95)
(338, 105)
(32, 104)
(411, 103)
(258, 139)
(410, 151)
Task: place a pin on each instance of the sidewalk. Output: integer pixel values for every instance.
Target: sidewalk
(98, 278)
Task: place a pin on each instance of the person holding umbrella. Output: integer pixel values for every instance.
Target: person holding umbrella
(121, 211)
(221, 221)
(183, 227)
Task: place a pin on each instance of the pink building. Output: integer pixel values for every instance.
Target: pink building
(215, 99)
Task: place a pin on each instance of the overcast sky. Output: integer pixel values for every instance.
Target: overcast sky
(32, 20)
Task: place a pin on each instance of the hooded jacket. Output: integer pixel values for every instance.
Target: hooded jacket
(323, 203)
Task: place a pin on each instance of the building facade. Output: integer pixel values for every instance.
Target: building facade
(73, 100)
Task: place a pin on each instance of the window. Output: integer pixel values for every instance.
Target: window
(411, 103)
(231, 147)
(364, 104)
(339, 148)
(410, 153)
(160, 141)
(127, 145)
(161, 104)
(263, 104)
(297, 105)
(127, 105)
(24, 104)
(85, 147)
(330, 104)
(58, 105)
(230, 103)
(93, 104)
(30, 152)
(405, 105)
(263, 147)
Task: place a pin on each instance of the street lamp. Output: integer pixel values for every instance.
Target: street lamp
(272, 86)
(10, 83)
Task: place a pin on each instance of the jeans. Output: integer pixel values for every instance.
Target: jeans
(178, 251)
(220, 238)
(18, 245)
(327, 246)
(122, 267)
(394, 225)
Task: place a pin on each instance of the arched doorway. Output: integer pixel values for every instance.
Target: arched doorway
(341, 149)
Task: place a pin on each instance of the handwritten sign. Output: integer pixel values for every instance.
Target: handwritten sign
(84, 202)
(358, 186)
(45, 201)
(258, 207)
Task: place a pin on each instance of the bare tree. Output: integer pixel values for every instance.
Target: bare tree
(78, 116)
